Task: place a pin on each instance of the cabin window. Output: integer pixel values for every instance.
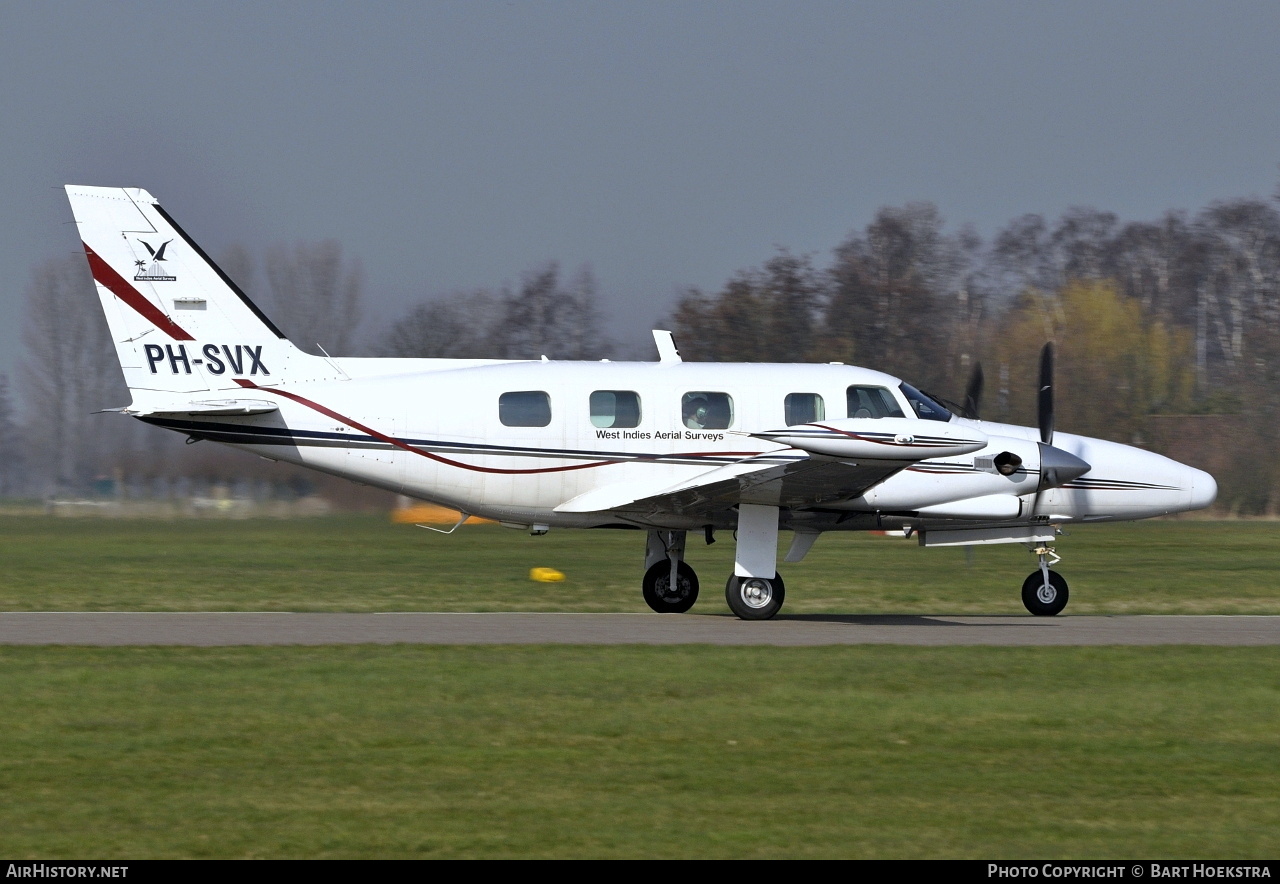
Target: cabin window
(804, 408)
(872, 402)
(527, 408)
(925, 405)
(703, 410)
(615, 408)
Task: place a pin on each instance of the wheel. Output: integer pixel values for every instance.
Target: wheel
(1041, 600)
(657, 588)
(754, 598)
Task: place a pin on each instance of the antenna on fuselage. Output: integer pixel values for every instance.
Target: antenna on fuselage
(667, 351)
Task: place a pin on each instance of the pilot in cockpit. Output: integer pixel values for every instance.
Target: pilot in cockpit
(696, 410)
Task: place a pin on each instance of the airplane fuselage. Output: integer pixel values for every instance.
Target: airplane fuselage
(435, 430)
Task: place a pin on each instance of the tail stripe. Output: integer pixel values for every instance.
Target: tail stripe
(218, 270)
(105, 275)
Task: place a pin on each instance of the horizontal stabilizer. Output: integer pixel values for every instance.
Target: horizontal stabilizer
(210, 407)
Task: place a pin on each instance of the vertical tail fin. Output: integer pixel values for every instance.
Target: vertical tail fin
(180, 325)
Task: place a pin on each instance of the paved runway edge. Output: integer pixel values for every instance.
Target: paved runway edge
(211, 629)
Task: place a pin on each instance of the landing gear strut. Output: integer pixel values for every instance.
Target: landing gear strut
(1044, 592)
(755, 590)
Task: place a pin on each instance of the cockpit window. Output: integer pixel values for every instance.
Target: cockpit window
(926, 407)
(803, 408)
(872, 402)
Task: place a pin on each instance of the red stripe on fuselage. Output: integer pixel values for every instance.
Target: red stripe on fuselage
(106, 276)
(391, 440)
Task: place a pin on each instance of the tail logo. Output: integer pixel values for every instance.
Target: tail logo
(153, 272)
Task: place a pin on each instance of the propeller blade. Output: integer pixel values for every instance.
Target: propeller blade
(973, 392)
(1045, 401)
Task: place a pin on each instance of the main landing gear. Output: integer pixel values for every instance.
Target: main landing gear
(659, 593)
(1044, 592)
(670, 586)
(755, 590)
(755, 598)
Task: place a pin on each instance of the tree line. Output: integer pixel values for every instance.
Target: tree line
(1175, 316)
(60, 442)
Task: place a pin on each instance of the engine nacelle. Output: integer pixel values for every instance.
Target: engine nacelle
(994, 507)
(886, 438)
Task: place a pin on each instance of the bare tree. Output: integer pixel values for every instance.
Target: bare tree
(315, 294)
(12, 454)
(458, 327)
(767, 314)
(894, 287)
(547, 318)
(1242, 275)
(1081, 244)
(1021, 257)
(71, 370)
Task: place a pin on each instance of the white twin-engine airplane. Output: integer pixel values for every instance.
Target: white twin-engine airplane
(666, 447)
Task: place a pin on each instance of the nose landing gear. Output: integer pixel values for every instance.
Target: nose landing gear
(1044, 592)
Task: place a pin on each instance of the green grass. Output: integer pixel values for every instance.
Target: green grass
(630, 751)
(640, 752)
(363, 563)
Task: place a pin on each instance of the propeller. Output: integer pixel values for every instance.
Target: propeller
(973, 392)
(1057, 467)
(1045, 399)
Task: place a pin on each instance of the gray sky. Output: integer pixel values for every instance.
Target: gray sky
(456, 145)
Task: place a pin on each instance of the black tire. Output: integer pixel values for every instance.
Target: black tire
(657, 588)
(748, 600)
(1042, 601)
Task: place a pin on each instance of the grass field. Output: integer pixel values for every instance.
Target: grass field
(409, 751)
(363, 563)
(640, 752)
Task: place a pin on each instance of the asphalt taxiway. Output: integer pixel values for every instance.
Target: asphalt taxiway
(207, 629)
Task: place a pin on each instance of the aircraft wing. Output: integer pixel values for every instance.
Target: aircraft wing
(798, 483)
(841, 459)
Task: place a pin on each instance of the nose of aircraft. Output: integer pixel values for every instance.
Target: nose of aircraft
(1204, 488)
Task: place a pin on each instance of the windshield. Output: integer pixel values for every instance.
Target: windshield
(926, 407)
